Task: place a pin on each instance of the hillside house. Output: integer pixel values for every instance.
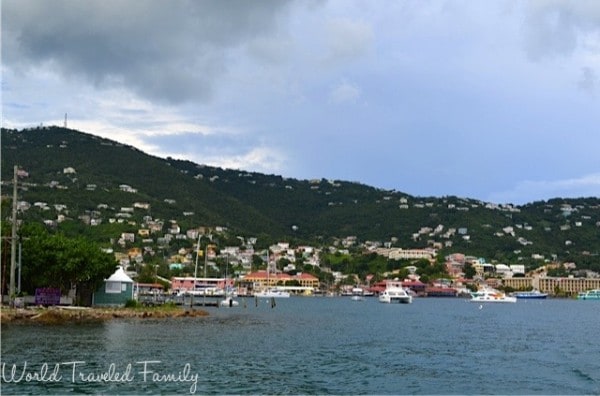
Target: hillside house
(141, 205)
(128, 237)
(127, 188)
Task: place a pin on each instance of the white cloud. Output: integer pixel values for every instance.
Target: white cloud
(258, 159)
(344, 93)
(256, 85)
(527, 190)
(348, 39)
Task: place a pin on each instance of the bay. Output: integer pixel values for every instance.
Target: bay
(320, 345)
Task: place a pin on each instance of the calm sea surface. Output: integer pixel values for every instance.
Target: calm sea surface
(318, 345)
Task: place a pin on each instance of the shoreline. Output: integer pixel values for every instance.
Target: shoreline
(64, 315)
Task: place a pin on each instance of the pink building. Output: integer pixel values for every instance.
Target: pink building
(179, 283)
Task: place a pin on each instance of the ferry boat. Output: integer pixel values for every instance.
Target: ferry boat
(395, 293)
(589, 295)
(491, 295)
(533, 294)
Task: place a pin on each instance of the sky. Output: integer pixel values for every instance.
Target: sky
(490, 100)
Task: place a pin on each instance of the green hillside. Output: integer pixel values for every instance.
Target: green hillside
(275, 208)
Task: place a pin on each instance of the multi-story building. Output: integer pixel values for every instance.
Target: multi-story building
(262, 279)
(569, 286)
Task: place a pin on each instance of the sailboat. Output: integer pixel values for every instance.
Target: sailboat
(228, 301)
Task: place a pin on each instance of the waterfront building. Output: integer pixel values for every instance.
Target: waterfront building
(115, 291)
(518, 283)
(186, 283)
(263, 279)
(569, 286)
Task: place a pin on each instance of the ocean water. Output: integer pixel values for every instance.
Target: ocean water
(318, 345)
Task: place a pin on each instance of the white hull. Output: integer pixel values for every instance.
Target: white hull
(201, 293)
(494, 300)
(393, 300)
(491, 296)
(395, 293)
(272, 294)
(229, 302)
(589, 295)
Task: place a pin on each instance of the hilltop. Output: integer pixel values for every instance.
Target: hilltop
(74, 180)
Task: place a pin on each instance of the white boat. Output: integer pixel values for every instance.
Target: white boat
(203, 290)
(395, 293)
(229, 302)
(488, 294)
(589, 295)
(533, 294)
(272, 293)
(357, 294)
(230, 292)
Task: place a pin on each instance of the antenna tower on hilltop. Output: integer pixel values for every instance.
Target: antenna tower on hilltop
(65, 120)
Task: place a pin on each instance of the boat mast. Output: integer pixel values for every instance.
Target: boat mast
(13, 240)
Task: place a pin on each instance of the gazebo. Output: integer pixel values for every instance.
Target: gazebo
(115, 291)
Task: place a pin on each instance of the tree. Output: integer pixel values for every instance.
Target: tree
(469, 271)
(57, 261)
(148, 273)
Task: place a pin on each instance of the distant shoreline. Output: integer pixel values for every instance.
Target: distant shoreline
(60, 315)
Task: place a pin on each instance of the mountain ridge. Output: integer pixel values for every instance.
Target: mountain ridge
(276, 207)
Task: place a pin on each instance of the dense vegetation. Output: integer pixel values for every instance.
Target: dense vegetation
(274, 208)
(57, 261)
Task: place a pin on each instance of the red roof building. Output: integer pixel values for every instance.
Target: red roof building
(263, 278)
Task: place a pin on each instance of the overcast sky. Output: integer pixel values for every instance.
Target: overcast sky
(493, 100)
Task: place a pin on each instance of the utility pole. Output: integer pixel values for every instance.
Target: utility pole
(13, 244)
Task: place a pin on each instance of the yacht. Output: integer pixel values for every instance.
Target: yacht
(272, 293)
(488, 294)
(395, 293)
(203, 290)
(357, 294)
(533, 294)
(589, 295)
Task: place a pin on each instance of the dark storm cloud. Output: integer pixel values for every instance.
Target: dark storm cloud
(173, 51)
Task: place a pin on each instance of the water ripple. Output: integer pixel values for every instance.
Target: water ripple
(333, 346)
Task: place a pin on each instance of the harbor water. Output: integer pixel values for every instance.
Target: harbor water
(317, 345)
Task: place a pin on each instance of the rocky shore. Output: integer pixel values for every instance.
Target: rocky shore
(58, 315)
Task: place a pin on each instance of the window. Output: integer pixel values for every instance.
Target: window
(113, 287)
